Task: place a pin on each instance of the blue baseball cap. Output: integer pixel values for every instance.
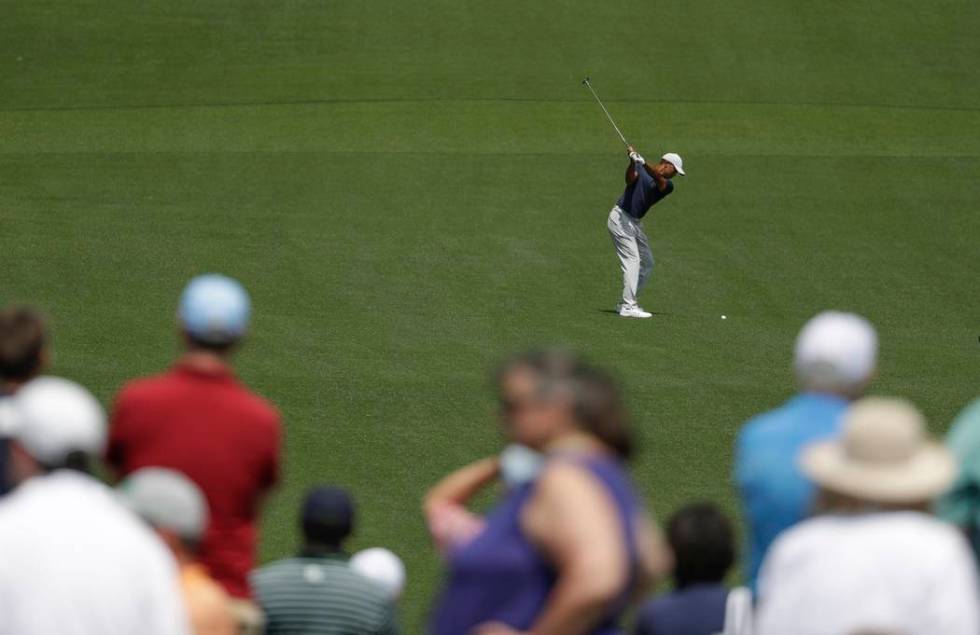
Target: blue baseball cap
(214, 309)
(327, 515)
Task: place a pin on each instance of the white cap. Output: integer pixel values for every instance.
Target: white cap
(382, 567)
(675, 160)
(52, 417)
(836, 352)
(166, 499)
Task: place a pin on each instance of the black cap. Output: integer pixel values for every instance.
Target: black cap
(327, 516)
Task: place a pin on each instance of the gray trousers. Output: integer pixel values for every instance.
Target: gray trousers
(633, 249)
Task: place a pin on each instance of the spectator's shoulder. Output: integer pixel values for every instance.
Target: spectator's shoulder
(800, 537)
(650, 616)
(11, 509)
(380, 612)
(261, 408)
(371, 595)
(973, 408)
(654, 606)
(935, 531)
(372, 590)
(964, 433)
(764, 424)
(273, 572)
(755, 429)
(142, 387)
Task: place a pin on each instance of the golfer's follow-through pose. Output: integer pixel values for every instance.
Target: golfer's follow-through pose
(646, 185)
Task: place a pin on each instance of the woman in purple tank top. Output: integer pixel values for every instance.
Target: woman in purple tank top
(565, 552)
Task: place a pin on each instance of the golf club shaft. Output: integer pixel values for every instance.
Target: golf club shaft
(608, 116)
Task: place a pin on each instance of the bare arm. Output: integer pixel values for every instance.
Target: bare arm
(450, 523)
(460, 486)
(574, 521)
(656, 558)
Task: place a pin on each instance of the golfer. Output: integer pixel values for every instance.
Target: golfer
(646, 185)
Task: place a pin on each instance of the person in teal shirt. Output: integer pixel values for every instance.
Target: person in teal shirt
(961, 505)
(835, 359)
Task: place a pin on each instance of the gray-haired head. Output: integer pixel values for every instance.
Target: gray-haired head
(594, 397)
(836, 353)
(168, 501)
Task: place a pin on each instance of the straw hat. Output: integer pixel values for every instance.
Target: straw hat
(882, 457)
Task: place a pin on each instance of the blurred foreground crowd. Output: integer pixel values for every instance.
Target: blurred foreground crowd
(856, 522)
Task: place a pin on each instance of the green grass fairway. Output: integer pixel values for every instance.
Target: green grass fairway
(413, 190)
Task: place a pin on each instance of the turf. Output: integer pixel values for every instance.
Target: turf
(413, 190)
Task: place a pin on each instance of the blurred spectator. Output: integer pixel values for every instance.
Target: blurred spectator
(961, 505)
(382, 567)
(175, 507)
(874, 560)
(318, 591)
(451, 524)
(565, 552)
(23, 355)
(835, 362)
(703, 543)
(199, 420)
(74, 559)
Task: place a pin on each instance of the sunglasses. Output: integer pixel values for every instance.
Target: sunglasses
(512, 406)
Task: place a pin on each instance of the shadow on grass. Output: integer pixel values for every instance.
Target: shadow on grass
(616, 313)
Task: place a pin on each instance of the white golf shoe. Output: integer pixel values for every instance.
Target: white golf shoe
(633, 312)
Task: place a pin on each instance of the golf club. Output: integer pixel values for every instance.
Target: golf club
(608, 116)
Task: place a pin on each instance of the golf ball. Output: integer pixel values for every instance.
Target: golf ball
(724, 317)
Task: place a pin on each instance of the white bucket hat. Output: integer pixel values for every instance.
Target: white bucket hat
(883, 456)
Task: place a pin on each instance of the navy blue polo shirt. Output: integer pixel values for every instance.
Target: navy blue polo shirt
(695, 610)
(642, 194)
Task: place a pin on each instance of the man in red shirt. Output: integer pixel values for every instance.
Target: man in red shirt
(198, 419)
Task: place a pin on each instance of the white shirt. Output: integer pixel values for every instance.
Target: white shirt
(898, 572)
(74, 561)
